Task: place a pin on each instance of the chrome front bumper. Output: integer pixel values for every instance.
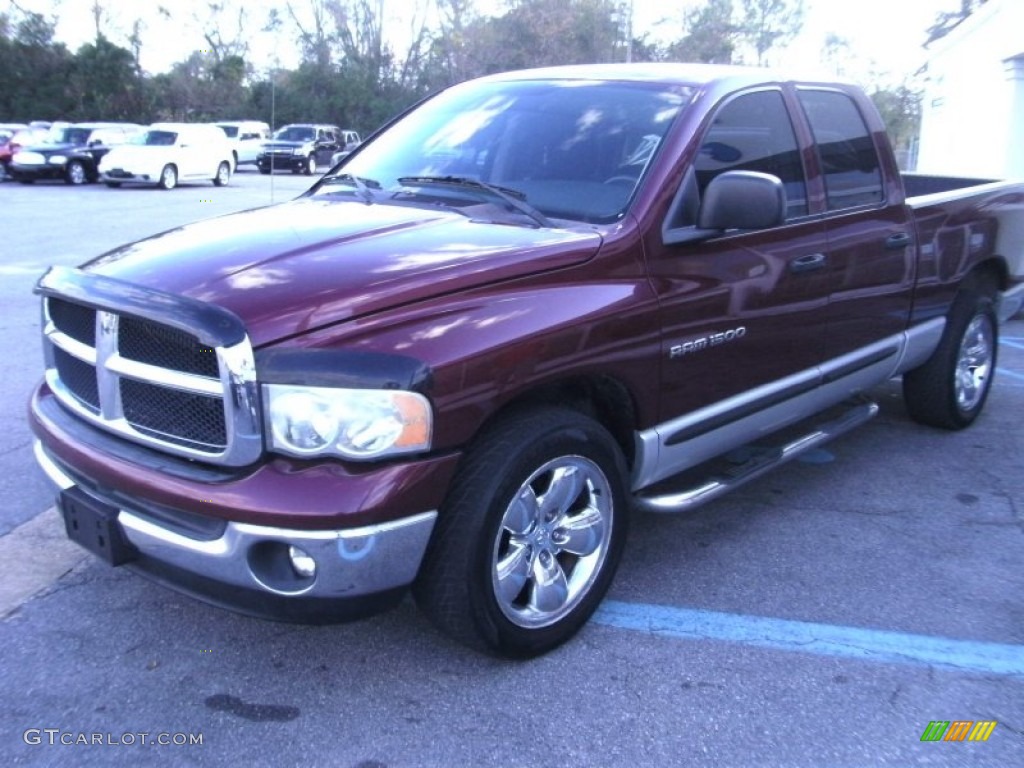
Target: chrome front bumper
(350, 563)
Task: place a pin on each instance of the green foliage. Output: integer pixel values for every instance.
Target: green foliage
(349, 74)
(36, 70)
(770, 23)
(710, 35)
(104, 84)
(900, 108)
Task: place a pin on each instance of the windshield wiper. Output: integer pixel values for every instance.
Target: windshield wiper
(363, 186)
(511, 197)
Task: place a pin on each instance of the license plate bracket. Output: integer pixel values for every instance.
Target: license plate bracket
(93, 525)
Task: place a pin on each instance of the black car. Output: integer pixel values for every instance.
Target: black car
(71, 153)
(299, 148)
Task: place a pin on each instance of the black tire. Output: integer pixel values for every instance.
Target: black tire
(950, 389)
(544, 459)
(22, 180)
(223, 175)
(113, 184)
(75, 173)
(168, 177)
(264, 171)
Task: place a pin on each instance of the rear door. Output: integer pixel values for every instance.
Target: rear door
(746, 309)
(871, 256)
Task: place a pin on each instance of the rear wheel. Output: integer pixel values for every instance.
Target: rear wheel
(75, 173)
(528, 540)
(168, 177)
(223, 174)
(950, 389)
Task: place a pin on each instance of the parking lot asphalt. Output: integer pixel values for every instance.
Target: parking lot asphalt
(823, 615)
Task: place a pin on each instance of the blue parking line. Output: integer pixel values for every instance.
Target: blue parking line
(1011, 343)
(1011, 374)
(806, 637)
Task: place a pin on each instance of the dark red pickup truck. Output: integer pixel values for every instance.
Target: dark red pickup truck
(531, 305)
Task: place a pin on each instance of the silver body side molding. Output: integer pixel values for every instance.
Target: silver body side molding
(677, 445)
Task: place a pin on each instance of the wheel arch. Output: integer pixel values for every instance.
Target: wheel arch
(995, 268)
(603, 398)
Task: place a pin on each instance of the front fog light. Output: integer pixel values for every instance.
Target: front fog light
(302, 563)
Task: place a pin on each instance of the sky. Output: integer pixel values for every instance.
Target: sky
(885, 36)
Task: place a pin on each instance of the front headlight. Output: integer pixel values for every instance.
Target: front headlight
(29, 158)
(355, 424)
(58, 159)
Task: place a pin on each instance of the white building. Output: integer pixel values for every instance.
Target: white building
(972, 113)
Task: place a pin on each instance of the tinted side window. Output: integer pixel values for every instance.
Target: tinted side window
(848, 157)
(753, 133)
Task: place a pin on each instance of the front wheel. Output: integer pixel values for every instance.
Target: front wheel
(75, 173)
(223, 174)
(168, 177)
(310, 167)
(529, 538)
(950, 389)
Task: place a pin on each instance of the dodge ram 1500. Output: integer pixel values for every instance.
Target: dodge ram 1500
(527, 308)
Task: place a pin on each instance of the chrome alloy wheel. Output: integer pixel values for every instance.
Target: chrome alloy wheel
(552, 542)
(974, 362)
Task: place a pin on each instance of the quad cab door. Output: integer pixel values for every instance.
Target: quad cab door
(744, 312)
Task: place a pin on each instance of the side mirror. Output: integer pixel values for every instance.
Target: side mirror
(742, 200)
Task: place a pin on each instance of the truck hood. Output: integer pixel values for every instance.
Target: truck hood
(279, 144)
(128, 154)
(295, 267)
(53, 149)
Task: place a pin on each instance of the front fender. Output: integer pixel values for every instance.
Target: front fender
(495, 345)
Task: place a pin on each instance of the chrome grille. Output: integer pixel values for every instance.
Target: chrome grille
(149, 381)
(182, 418)
(79, 377)
(165, 347)
(76, 321)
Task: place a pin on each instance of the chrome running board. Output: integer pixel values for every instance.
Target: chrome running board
(737, 467)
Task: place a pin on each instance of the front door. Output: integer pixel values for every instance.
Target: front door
(743, 310)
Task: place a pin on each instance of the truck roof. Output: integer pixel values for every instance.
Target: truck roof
(666, 72)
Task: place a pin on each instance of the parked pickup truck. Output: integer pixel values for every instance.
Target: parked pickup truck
(534, 304)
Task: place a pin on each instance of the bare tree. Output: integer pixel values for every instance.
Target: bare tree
(767, 23)
(223, 26)
(835, 52)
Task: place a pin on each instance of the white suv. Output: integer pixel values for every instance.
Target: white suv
(246, 137)
(166, 153)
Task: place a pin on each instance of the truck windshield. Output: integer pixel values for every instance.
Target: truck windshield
(76, 136)
(294, 133)
(155, 139)
(572, 149)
